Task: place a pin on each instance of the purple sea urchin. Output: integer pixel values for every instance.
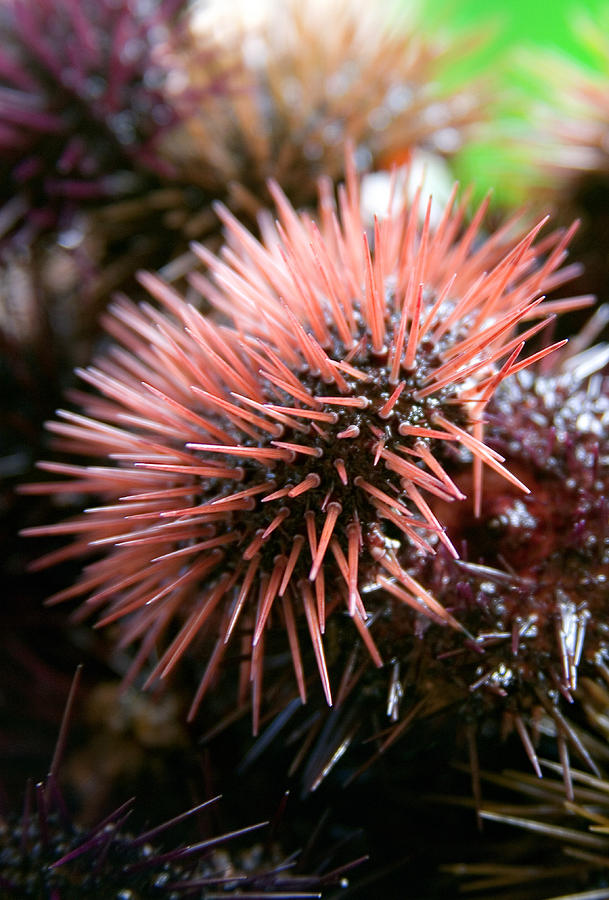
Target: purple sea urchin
(82, 108)
(87, 196)
(83, 104)
(555, 542)
(266, 468)
(44, 853)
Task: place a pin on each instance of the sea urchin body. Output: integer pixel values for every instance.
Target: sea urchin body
(273, 465)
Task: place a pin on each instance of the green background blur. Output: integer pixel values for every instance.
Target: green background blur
(520, 22)
(509, 31)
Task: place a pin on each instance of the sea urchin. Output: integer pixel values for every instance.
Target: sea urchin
(44, 853)
(272, 465)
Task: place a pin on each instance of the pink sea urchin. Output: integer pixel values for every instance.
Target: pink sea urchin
(273, 465)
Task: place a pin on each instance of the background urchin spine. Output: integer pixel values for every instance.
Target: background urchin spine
(336, 359)
(84, 105)
(568, 841)
(44, 852)
(371, 78)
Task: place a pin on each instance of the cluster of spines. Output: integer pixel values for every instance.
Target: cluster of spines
(44, 852)
(65, 66)
(531, 599)
(568, 837)
(356, 358)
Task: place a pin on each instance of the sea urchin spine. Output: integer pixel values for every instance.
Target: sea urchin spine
(243, 475)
